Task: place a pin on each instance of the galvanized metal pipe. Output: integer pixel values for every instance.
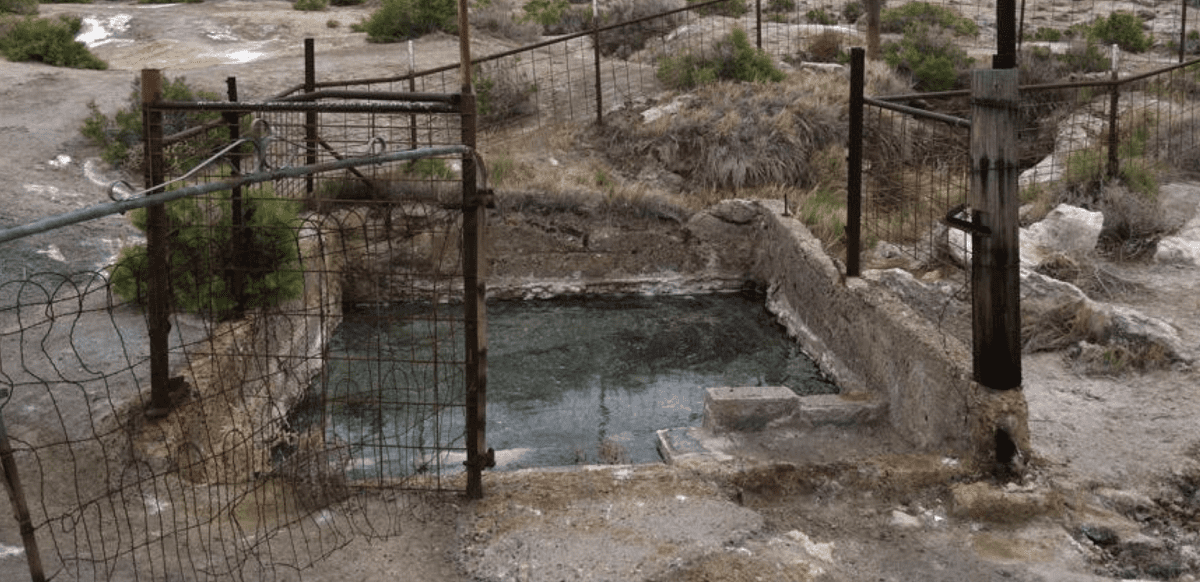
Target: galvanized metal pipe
(102, 210)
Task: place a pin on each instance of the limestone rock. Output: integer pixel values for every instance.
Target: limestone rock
(1066, 229)
(1183, 248)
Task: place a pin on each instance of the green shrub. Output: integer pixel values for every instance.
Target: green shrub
(434, 168)
(734, 59)
(545, 12)
(923, 14)
(120, 137)
(820, 16)
(347, 2)
(731, 8)
(1122, 29)
(48, 40)
(852, 11)
(203, 252)
(1047, 34)
(23, 7)
(776, 6)
(930, 55)
(311, 5)
(400, 20)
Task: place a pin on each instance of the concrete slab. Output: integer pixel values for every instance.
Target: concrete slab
(747, 408)
(691, 444)
(836, 410)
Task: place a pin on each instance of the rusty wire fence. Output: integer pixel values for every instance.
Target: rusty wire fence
(1073, 139)
(319, 363)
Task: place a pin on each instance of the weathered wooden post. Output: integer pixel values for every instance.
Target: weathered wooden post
(995, 275)
(16, 494)
(158, 298)
(873, 9)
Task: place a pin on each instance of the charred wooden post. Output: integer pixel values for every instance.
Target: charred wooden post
(854, 164)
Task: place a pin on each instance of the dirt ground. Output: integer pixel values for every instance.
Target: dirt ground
(1112, 490)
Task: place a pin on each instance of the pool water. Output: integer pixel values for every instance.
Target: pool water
(570, 381)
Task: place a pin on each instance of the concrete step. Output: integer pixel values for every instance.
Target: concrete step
(755, 408)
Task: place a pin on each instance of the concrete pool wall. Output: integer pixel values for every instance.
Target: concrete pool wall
(876, 348)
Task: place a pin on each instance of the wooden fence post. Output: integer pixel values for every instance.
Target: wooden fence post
(995, 268)
(158, 299)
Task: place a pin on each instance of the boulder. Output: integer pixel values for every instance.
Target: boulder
(1066, 230)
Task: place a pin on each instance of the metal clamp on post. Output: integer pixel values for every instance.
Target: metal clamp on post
(953, 221)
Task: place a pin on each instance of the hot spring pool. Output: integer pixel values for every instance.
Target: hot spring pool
(564, 376)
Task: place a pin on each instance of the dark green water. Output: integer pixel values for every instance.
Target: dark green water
(563, 376)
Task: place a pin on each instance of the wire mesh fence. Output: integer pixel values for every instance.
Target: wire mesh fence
(317, 347)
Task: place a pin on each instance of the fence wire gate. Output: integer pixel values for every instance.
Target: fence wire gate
(296, 424)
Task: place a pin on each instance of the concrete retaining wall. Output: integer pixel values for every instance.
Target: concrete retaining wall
(874, 344)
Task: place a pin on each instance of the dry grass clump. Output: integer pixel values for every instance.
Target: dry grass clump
(503, 92)
(738, 135)
(503, 18)
(1089, 276)
(627, 40)
(826, 47)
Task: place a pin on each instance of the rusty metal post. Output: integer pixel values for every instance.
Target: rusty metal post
(1182, 29)
(412, 88)
(479, 456)
(596, 57)
(310, 117)
(1114, 102)
(854, 164)
(758, 23)
(994, 198)
(239, 240)
(16, 494)
(157, 225)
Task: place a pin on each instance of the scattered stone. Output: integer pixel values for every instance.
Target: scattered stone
(986, 502)
(1100, 535)
(903, 520)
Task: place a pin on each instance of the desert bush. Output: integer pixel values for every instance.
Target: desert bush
(400, 20)
(826, 47)
(731, 8)
(853, 10)
(778, 6)
(739, 135)
(1122, 29)
(1047, 34)
(496, 18)
(503, 92)
(931, 55)
(47, 40)
(626, 40)
(924, 14)
(119, 137)
(545, 12)
(22, 7)
(732, 59)
(346, 2)
(311, 5)
(820, 16)
(203, 250)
